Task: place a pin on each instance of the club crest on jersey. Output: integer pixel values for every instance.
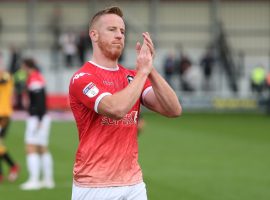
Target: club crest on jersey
(130, 78)
(90, 90)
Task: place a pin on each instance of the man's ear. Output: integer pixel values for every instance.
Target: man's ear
(93, 34)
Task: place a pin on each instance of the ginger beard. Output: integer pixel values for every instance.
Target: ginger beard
(110, 49)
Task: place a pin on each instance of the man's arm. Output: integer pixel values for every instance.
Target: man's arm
(116, 106)
(162, 98)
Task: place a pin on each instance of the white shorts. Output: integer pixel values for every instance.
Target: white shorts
(37, 132)
(132, 192)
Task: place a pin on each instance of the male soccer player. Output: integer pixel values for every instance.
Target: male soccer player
(105, 99)
(6, 91)
(37, 132)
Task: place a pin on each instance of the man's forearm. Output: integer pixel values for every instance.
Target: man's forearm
(165, 95)
(119, 104)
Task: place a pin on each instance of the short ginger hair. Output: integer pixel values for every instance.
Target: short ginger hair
(110, 10)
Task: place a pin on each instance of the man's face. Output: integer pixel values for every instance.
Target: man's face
(111, 35)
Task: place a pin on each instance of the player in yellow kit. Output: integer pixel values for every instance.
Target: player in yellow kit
(6, 91)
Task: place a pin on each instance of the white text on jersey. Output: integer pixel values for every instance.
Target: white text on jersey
(76, 76)
(129, 119)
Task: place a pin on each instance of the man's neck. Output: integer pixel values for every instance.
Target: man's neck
(104, 61)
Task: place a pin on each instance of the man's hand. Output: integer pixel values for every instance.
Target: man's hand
(145, 55)
(149, 43)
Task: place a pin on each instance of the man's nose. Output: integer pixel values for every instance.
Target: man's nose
(119, 34)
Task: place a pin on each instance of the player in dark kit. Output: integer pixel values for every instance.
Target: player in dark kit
(37, 132)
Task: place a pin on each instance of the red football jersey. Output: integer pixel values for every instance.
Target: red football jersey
(107, 154)
(35, 84)
(35, 81)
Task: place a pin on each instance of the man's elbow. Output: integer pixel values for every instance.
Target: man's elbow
(175, 112)
(117, 116)
(112, 110)
(117, 113)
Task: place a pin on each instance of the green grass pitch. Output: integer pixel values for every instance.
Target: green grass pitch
(194, 157)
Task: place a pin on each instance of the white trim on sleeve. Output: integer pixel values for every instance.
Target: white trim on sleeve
(145, 92)
(99, 99)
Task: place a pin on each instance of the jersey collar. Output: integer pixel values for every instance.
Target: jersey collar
(105, 68)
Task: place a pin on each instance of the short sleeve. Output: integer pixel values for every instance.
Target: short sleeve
(88, 90)
(147, 87)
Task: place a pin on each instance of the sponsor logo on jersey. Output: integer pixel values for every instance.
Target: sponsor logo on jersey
(130, 119)
(76, 76)
(90, 90)
(130, 78)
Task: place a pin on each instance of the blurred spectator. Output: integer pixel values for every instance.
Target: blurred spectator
(192, 78)
(258, 78)
(55, 28)
(55, 24)
(268, 88)
(14, 59)
(19, 82)
(168, 67)
(183, 64)
(18, 75)
(82, 45)
(207, 62)
(69, 47)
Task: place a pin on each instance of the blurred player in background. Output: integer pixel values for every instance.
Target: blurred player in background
(6, 91)
(141, 124)
(268, 88)
(39, 159)
(105, 100)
